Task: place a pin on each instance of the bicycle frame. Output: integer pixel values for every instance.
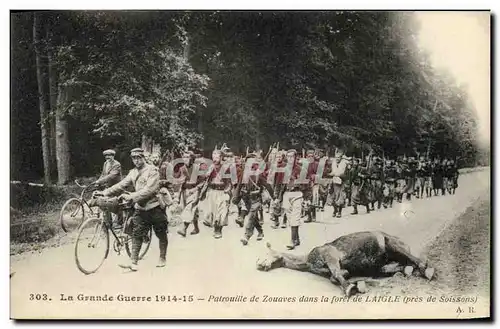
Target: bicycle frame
(127, 213)
(82, 199)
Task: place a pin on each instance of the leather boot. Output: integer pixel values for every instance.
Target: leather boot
(244, 240)
(196, 228)
(217, 230)
(283, 225)
(294, 238)
(241, 218)
(355, 211)
(276, 221)
(182, 231)
(339, 212)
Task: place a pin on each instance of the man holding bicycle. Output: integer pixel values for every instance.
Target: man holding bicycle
(110, 175)
(145, 180)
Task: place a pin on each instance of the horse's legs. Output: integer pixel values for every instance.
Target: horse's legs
(339, 275)
(400, 252)
(392, 268)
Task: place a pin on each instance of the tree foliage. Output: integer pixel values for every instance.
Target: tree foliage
(307, 79)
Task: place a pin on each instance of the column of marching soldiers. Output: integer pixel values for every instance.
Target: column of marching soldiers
(365, 184)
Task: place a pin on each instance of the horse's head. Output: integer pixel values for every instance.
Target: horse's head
(271, 260)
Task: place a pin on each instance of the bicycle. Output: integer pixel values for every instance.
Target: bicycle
(100, 226)
(76, 206)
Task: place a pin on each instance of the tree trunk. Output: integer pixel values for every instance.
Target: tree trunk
(42, 98)
(147, 144)
(62, 138)
(53, 101)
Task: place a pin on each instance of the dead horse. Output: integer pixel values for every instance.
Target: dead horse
(371, 253)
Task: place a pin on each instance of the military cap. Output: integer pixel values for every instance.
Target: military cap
(310, 152)
(294, 151)
(109, 152)
(137, 152)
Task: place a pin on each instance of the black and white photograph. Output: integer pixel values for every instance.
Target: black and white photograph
(250, 164)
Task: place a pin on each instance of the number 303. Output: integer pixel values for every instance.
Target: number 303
(38, 297)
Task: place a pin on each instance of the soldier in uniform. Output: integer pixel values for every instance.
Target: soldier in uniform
(347, 182)
(312, 202)
(111, 170)
(359, 176)
(337, 191)
(350, 178)
(189, 193)
(277, 202)
(242, 211)
(292, 194)
(168, 195)
(324, 184)
(455, 174)
(410, 173)
(390, 176)
(437, 181)
(377, 182)
(400, 180)
(250, 193)
(451, 173)
(144, 178)
(218, 194)
(110, 175)
(426, 172)
(420, 178)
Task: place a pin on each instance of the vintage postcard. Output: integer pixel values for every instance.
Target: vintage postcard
(250, 165)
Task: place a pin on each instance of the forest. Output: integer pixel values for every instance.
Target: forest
(85, 81)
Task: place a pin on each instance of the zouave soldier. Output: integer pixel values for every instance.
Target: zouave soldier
(410, 172)
(277, 203)
(438, 177)
(451, 173)
(390, 175)
(420, 178)
(324, 183)
(218, 193)
(249, 191)
(377, 182)
(337, 191)
(292, 194)
(426, 172)
(189, 193)
(312, 202)
(400, 180)
(359, 186)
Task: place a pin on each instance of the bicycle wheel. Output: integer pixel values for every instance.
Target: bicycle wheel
(92, 245)
(72, 215)
(145, 244)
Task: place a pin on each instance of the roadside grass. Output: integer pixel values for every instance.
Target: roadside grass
(460, 256)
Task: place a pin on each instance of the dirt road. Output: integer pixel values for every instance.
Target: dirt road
(201, 266)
